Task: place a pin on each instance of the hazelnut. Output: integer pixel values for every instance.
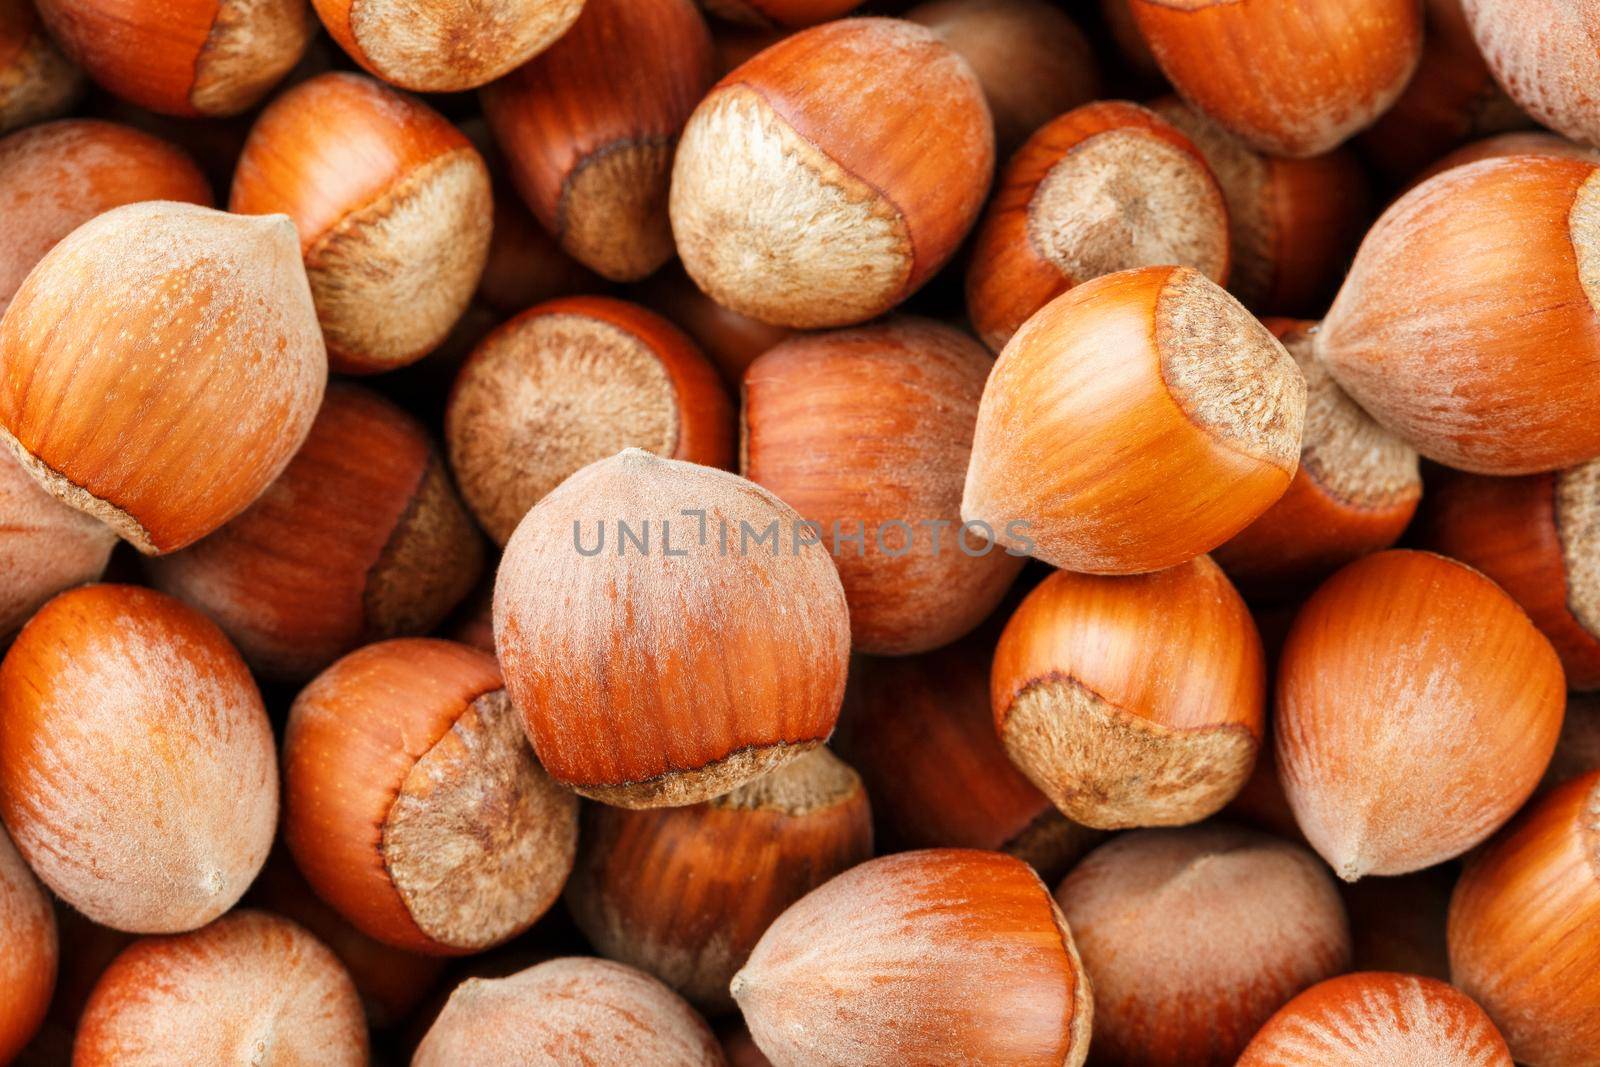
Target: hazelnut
(160, 366)
(1375, 1017)
(571, 382)
(1106, 187)
(1293, 224)
(1355, 490)
(445, 46)
(731, 340)
(188, 57)
(1193, 938)
(1499, 370)
(920, 731)
(28, 964)
(825, 180)
(137, 773)
(249, 988)
(1097, 705)
(393, 208)
(1523, 924)
(1540, 54)
(571, 1010)
(45, 547)
(685, 893)
(56, 177)
(947, 941)
(1416, 709)
(1136, 422)
(867, 432)
(589, 128)
(36, 80)
(1031, 59)
(361, 537)
(1292, 80)
(719, 658)
(413, 805)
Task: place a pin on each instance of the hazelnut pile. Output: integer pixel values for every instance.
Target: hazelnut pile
(800, 533)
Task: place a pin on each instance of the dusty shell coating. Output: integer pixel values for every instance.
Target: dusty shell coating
(28, 964)
(1522, 928)
(965, 954)
(45, 546)
(56, 177)
(137, 772)
(1356, 489)
(1361, 1019)
(685, 893)
(251, 988)
(867, 432)
(160, 366)
(1292, 80)
(589, 128)
(1155, 371)
(1106, 187)
(361, 538)
(393, 207)
(825, 180)
(569, 383)
(1494, 378)
(207, 57)
(789, 13)
(1031, 59)
(445, 47)
(1193, 938)
(36, 80)
(1095, 708)
(413, 803)
(1543, 54)
(572, 1010)
(668, 675)
(1417, 707)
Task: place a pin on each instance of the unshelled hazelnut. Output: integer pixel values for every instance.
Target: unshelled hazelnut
(1192, 938)
(56, 177)
(920, 731)
(1355, 490)
(721, 657)
(137, 773)
(826, 179)
(1095, 704)
(1467, 324)
(160, 366)
(413, 804)
(249, 988)
(45, 547)
(1293, 223)
(1106, 187)
(188, 57)
(445, 46)
(360, 538)
(1540, 53)
(947, 941)
(393, 208)
(1134, 423)
(685, 893)
(1357, 1020)
(866, 432)
(573, 1010)
(28, 964)
(589, 128)
(1030, 57)
(36, 80)
(569, 383)
(1537, 538)
(1523, 924)
(1417, 708)
(1451, 98)
(732, 341)
(1290, 79)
